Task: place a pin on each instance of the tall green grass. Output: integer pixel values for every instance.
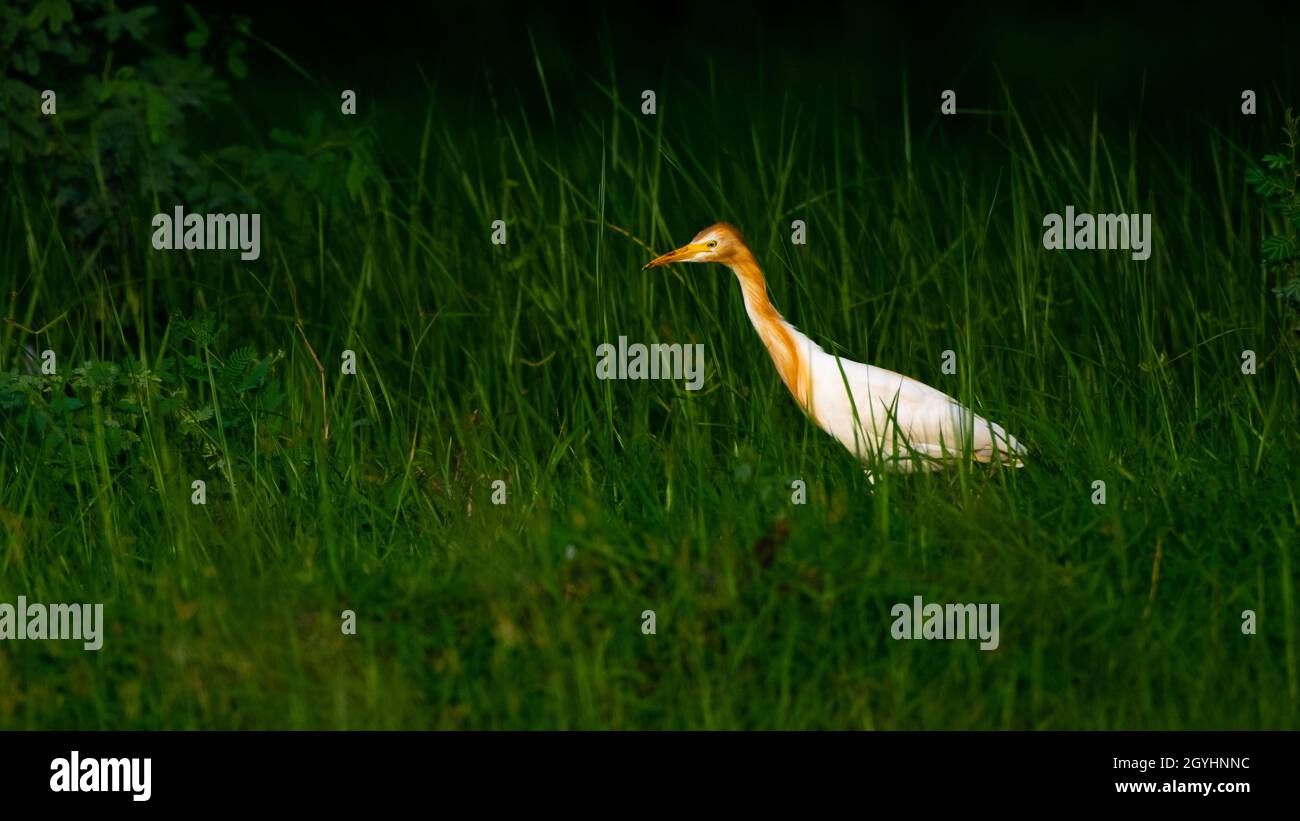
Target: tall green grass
(476, 363)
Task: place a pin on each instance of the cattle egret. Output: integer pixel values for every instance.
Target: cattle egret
(880, 416)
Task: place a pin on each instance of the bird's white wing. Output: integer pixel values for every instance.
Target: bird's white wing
(875, 411)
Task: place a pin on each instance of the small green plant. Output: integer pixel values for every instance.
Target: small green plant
(64, 415)
(1276, 182)
(216, 398)
(217, 402)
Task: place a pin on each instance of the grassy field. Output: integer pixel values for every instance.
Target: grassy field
(476, 363)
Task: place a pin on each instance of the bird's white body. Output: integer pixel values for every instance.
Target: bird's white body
(882, 417)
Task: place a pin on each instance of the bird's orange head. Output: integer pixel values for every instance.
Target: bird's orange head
(720, 242)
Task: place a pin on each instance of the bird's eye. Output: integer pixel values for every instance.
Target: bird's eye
(713, 243)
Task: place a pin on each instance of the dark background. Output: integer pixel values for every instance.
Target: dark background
(1171, 56)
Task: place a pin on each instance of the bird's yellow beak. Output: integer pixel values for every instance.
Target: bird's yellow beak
(685, 252)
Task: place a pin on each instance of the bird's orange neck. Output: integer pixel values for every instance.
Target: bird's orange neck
(791, 362)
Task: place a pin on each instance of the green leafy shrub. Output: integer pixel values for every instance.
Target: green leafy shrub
(1276, 183)
(217, 403)
(124, 129)
(122, 103)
